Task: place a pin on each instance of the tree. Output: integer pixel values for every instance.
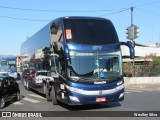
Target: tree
(151, 65)
(127, 68)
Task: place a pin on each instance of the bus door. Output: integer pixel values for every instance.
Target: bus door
(59, 81)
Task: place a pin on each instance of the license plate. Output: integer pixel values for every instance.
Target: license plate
(101, 99)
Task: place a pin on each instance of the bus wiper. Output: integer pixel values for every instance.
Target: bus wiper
(87, 77)
(81, 78)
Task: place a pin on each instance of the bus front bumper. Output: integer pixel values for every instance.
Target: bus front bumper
(82, 97)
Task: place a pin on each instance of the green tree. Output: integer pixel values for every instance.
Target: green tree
(127, 69)
(151, 65)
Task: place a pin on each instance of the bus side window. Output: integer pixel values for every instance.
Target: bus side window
(60, 65)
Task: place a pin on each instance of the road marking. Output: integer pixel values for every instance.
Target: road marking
(30, 100)
(128, 92)
(134, 91)
(17, 103)
(37, 96)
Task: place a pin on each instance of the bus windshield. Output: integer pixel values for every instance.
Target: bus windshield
(8, 66)
(90, 65)
(90, 31)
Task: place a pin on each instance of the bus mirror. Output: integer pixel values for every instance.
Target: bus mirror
(131, 49)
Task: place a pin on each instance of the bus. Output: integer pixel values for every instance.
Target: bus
(8, 65)
(76, 61)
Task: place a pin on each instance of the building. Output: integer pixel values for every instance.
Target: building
(141, 51)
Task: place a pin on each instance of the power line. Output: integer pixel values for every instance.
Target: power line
(147, 3)
(149, 12)
(115, 12)
(41, 20)
(43, 10)
(23, 19)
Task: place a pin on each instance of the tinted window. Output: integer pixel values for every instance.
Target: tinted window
(90, 31)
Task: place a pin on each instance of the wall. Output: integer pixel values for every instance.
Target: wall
(141, 80)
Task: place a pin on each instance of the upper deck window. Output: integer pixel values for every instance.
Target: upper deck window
(90, 31)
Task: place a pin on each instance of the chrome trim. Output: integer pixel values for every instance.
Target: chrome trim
(95, 92)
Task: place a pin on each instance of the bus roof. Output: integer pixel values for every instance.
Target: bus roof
(79, 17)
(7, 57)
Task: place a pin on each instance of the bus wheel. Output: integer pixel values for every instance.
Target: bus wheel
(27, 85)
(53, 94)
(2, 103)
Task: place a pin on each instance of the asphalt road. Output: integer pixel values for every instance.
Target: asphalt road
(137, 98)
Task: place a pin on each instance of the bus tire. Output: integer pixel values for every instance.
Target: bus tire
(53, 94)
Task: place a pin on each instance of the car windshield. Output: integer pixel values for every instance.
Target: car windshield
(95, 65)
(44, 73)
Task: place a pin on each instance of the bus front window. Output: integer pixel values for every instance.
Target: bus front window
(90, 31)
(90, 65)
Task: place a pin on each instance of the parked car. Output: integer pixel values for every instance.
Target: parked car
(9, 90)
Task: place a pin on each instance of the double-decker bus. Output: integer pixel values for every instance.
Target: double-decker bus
(82, 59)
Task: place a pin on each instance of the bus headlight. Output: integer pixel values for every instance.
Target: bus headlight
(120, 87)
(73, 89)
(74, 98)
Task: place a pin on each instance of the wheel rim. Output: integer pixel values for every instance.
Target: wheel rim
(2, 103)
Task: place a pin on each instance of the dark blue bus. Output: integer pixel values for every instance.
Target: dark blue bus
(76, 60)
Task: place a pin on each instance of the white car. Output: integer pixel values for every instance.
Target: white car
(40, 76)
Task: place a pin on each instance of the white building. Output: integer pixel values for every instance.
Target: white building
(140, 52)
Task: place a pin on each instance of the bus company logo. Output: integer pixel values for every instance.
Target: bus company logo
(96, 47)
(6, 114)
(100, 92)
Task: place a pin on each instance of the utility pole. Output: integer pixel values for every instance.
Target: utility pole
(132, 33)
(132, 38)
(132, 24)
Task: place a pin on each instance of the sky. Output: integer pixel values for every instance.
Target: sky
(20, 19)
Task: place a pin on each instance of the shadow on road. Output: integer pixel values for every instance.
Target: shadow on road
(84, 107)
(90, 107)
